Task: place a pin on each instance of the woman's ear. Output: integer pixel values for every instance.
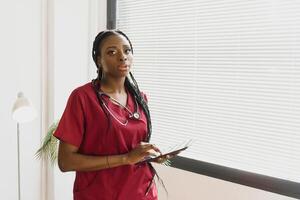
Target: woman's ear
(98, 61)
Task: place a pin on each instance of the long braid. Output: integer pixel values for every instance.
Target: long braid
(134, 89)
(96, 84)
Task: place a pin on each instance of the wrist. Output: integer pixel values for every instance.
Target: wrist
(107, 162)
(125, 160)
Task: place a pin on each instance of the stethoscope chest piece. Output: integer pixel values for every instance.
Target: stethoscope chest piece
(136, 115)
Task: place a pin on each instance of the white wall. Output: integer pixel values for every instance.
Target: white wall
(19, 71)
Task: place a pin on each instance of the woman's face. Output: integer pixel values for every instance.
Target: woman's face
(115, 56)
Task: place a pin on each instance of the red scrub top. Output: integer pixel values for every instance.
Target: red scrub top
(85, 125)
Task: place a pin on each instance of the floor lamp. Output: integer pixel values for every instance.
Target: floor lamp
(22, 112)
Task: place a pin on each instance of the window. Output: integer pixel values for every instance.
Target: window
(224, 72)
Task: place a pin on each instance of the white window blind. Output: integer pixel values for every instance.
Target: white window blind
(225, 72)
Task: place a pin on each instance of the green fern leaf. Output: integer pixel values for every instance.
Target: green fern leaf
(48, 150)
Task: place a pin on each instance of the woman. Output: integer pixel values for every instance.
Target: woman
(105, 128)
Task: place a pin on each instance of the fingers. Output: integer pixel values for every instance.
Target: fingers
(163, 159)
(157, 149)
(149, 146)
(152, 152)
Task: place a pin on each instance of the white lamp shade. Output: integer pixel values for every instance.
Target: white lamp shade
(22, 110)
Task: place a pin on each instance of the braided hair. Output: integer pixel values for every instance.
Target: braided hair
(130, 84)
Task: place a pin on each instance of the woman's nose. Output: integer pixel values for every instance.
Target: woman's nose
(123, 57)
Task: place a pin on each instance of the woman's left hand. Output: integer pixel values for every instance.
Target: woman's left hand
(162, 159)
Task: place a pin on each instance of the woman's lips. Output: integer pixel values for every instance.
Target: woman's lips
(123, 67)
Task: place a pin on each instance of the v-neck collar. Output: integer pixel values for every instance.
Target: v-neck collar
(129, 100)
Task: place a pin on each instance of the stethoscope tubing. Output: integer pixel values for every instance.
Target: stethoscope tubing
(133, 115)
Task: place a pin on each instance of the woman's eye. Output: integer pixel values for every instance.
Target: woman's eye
(111, 52)
(127, 51)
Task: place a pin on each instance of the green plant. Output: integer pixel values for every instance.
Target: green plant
(48, 150)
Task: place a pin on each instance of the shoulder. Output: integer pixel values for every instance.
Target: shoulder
(82, 91)
(81, 94)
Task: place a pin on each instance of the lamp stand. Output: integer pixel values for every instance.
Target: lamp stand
(18, 146)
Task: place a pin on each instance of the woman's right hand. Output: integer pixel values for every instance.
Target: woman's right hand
(141, 151)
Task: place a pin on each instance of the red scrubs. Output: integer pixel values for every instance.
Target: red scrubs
(85, 125)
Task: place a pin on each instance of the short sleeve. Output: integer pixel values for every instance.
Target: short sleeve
(70, 128)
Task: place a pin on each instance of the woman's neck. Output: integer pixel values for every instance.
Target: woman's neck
(112, 86)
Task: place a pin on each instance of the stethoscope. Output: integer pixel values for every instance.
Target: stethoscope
(132, 115)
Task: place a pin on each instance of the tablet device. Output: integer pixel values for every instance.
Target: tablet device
(173, 152)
